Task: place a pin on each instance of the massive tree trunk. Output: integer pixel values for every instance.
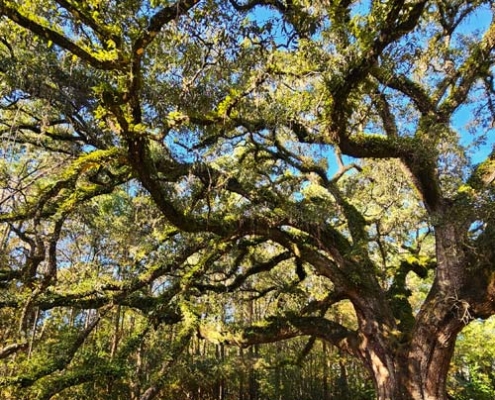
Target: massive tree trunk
(417, 370)
(414, 365)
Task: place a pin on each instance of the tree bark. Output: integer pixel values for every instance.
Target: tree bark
(416, 371)
(415, 366)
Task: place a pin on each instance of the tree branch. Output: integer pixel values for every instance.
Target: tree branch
(476, 66)
(103, 33)
(156, 23)
(412, 151)
(62, 359)
(275, 329)
(58, 39)
(408, 87)
(12, 348)
(240, 279)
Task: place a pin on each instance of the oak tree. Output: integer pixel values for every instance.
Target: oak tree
(317, 142)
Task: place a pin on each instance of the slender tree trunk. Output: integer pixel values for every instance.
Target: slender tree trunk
(116, 333)
(252, 376)
(325, 372)
(343, 383)
(220, 383)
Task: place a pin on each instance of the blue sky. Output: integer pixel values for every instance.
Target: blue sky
(465, 115)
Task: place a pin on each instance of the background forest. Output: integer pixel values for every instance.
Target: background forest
(263, 199)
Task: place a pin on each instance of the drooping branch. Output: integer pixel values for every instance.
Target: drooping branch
(156, 307)
(279, 328)
(55, 199)
(75, 378)
(328, 267)
(306, 350)
(12, 348)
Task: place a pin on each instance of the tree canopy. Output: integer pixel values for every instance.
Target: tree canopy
(166, 165)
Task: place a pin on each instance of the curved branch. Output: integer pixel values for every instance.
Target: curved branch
(323, 305)
(53, 199)
(12, 348)
(418, 158)
(254, 3)
(286, 327)
(70, 379)
(393, 29)
(484, 174)
(411, 89)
